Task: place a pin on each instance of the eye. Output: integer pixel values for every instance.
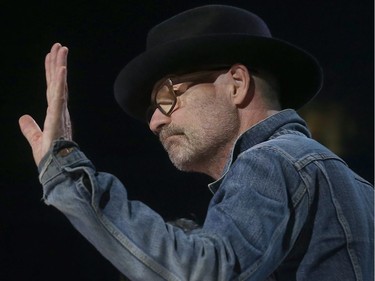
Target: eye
(166, 100)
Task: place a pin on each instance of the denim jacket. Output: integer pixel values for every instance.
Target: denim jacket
(286, 208)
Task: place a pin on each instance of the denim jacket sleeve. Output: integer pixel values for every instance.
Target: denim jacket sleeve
(234, 242)
(129, 234)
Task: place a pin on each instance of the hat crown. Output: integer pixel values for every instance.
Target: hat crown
(207, 21)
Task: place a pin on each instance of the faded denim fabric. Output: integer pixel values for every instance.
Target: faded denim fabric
(286, 208)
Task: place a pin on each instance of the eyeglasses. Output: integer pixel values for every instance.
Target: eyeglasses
(164, 96)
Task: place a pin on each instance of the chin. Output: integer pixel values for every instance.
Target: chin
(180, 161)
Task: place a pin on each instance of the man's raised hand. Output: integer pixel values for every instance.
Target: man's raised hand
(57, 122)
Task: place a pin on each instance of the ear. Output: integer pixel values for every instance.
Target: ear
(243, 84)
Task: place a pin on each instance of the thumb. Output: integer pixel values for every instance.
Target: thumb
(30, 130)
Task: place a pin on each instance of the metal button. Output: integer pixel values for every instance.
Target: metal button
(65, 151)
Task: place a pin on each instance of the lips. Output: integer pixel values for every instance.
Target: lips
(169, 138)
(168, 132)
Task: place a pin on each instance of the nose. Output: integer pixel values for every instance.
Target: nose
(158, 121)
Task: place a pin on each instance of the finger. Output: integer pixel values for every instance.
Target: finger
(49, 61)
(30, 130)
(61, 56)
(53, 58)
(56, 63)
(47, 68)
(56, 58)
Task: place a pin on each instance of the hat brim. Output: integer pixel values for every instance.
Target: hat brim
(299, 73)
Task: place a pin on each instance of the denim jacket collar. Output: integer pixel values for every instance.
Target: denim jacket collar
(286, 121)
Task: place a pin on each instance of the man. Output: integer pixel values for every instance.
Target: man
(219, 92)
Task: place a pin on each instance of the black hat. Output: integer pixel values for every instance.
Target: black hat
(215, 35)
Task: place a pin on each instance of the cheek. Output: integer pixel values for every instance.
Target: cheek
(203, 110)
(211, 115)
(198, 108)
(199, 101)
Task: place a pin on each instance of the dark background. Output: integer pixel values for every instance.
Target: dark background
(37, 242)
